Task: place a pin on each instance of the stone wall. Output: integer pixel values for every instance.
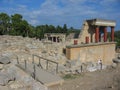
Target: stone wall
(59, 37)
(24, 48)
(87, 31)
(92, 52)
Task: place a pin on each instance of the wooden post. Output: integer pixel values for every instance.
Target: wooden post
(40, 64)
(101, 66)
(47, 65)
(17, 60)
(57, 68)
(33, 59)
(81, 67)
(25, 64)
(34, 74)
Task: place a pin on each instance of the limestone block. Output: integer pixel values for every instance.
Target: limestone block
(16, 85)
(4, 60)
(1, 66)
(6, 77)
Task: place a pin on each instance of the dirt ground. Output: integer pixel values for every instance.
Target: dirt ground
(108, 79)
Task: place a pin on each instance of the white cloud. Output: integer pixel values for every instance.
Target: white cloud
(34, 21)
(108, 1)
(71, 12)
(8, 1)
(22, 6)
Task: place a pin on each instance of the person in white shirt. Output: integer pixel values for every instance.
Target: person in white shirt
(100, 64)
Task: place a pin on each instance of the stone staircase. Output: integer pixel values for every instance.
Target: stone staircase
(44, 77)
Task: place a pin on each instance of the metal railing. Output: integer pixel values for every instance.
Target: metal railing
(47, 62)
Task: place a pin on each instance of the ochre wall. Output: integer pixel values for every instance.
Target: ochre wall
(105, 52)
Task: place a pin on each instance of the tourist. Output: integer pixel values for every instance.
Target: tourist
(100, 64)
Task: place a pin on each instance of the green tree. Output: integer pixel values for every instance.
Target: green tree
(31, 32)
(24, 28)
(19, 26)
(4, 23)
(51, 29)
(64, 28)
(117, 37)
(39, 31)
(16, 20)
(59, 29)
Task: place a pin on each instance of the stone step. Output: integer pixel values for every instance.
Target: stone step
(43, 76)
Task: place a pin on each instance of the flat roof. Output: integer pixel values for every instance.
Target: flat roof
(90, 44)
(102, 22)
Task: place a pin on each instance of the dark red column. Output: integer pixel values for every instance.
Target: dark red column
(97, 34)
(105, 34)
(87, 40)
(75, 42)
(112, 33)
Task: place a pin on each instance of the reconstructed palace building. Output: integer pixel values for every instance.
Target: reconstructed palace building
(93, 43)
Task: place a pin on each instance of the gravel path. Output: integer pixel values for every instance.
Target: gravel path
(100, 80)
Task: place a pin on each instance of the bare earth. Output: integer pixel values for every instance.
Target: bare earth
(108, 79)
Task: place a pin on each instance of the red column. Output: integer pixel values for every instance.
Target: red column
(97, 34)
(105, 34)
(87, 40)
(112, 33)
(75, 42)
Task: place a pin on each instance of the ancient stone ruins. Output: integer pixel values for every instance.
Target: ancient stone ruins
(31, 64)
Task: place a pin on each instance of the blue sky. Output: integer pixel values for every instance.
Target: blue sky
(59, 12)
